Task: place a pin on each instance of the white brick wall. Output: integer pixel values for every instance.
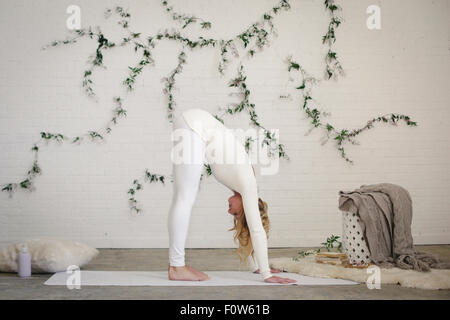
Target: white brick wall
(403, 68)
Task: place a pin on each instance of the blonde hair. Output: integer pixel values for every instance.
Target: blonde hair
(242, 233)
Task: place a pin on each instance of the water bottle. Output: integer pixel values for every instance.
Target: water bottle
(24, 263)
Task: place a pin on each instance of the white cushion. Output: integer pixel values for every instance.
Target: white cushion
(47, 255)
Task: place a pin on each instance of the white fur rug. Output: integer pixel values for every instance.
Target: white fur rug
(435, 279)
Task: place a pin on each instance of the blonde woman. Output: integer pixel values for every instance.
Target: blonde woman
(204, 137)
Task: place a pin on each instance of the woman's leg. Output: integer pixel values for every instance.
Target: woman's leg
(185, 187)
(186, 183)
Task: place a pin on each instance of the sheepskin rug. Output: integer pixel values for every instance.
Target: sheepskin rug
(435, 279)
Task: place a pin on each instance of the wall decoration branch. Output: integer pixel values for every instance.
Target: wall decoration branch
(333, 67)
(340, 136)
(170, 83)
(253, 39)
(275, 148)
(185, 19)
(47, 137)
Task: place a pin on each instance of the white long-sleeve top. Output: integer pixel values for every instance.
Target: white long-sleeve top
(237, 176)
(203, 123)
(253, 266)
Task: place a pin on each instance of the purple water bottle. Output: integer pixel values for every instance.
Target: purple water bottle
(24, 262)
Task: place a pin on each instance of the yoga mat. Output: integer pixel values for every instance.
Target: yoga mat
(159, 278)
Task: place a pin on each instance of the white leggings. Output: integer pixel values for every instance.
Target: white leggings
(237, 177)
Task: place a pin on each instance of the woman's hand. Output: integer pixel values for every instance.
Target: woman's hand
(275, 279)
(271, 270)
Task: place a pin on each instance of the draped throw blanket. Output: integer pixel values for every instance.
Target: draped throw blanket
(385, 212)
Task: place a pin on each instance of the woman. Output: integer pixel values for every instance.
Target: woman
(203, 136)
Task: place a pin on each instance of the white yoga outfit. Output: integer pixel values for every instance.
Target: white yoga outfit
(211, 140)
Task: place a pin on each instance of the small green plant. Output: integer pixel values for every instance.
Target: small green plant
(328, 244)
(303, 254)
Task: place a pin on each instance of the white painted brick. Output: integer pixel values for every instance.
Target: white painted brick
(82, 194)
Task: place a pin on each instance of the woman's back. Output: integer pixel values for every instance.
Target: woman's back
(203, 123)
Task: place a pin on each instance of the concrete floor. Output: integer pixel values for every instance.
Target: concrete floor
(13, 287)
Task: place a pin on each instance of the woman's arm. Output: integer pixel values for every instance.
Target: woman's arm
(254, 266)
(257, 233)
(237, 193)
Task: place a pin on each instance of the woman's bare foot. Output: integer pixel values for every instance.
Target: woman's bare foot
(185, 273)
(203, 275)
(275, 279)
(272, 270)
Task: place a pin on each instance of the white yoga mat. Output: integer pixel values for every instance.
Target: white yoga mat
(159, 278)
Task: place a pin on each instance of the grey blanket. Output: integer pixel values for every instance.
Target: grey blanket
(386, 215)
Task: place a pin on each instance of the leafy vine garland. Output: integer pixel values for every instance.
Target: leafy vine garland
(314, 114)
(255, 37)
(170, 82)
(97, 61)
(46, 137)
(275, 148)
(185, 19)
(333, 66)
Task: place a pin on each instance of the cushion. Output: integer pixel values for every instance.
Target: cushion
(47, 255)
